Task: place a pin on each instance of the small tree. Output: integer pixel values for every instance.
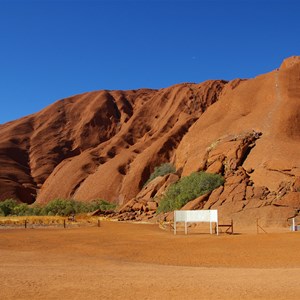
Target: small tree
(66, 207)
(7, 207)
(62, 207)
(161, 170)
(21, 209)
(187, 189)
(102, 205)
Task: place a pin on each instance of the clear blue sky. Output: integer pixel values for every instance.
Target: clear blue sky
(54, 49)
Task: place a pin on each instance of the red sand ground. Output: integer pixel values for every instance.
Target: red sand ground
(137, 261)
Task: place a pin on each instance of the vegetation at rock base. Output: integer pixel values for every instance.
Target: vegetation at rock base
(102, 205)
(59, 207)
(161, 170)
(7, 207)
(187, 189)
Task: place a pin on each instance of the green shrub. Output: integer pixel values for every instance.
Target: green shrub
(7, 207)
(12, 207)
(21, 209)
(61, 207)
(66, 207)
(34, 210)
(187, 189)
(102, 205)
(161, 170)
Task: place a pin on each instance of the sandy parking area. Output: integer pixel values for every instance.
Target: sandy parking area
(136, 261)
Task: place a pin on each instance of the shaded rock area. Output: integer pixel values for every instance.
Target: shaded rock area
(105, 145)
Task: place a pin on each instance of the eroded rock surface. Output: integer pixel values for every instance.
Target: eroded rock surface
(239, 198)
(98, 145)
(105, 145)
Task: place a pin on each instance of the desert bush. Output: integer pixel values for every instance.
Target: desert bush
(161, 170)
(7, 207)
(21, 209)
(59, 206)
(35, 210)
(187, 189)
(63, 207)
(11, 207)
(66, 207)
(102, 205)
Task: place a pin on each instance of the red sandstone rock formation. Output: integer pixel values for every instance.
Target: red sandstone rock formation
(106, 144)
(98, 145)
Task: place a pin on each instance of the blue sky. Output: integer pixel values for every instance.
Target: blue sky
(54, 49)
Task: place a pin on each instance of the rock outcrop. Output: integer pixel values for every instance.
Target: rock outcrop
(239, 199)
(106, 144)
(98, 145)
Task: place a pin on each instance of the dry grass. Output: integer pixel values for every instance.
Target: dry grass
(19, 221)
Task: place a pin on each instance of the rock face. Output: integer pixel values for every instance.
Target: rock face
(239, 199)
(268, 162)
(98, 145)
(106, 144)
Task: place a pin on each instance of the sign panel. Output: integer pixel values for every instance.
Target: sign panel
(191, 216)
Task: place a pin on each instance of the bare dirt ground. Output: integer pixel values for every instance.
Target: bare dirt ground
(138, 261)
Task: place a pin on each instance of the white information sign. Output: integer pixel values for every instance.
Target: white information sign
(192, 216)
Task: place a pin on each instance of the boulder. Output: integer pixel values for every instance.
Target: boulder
(197, 203)
(152, 205)
(127, 207)
(138, 206)
(213, 198)
(291, 199)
